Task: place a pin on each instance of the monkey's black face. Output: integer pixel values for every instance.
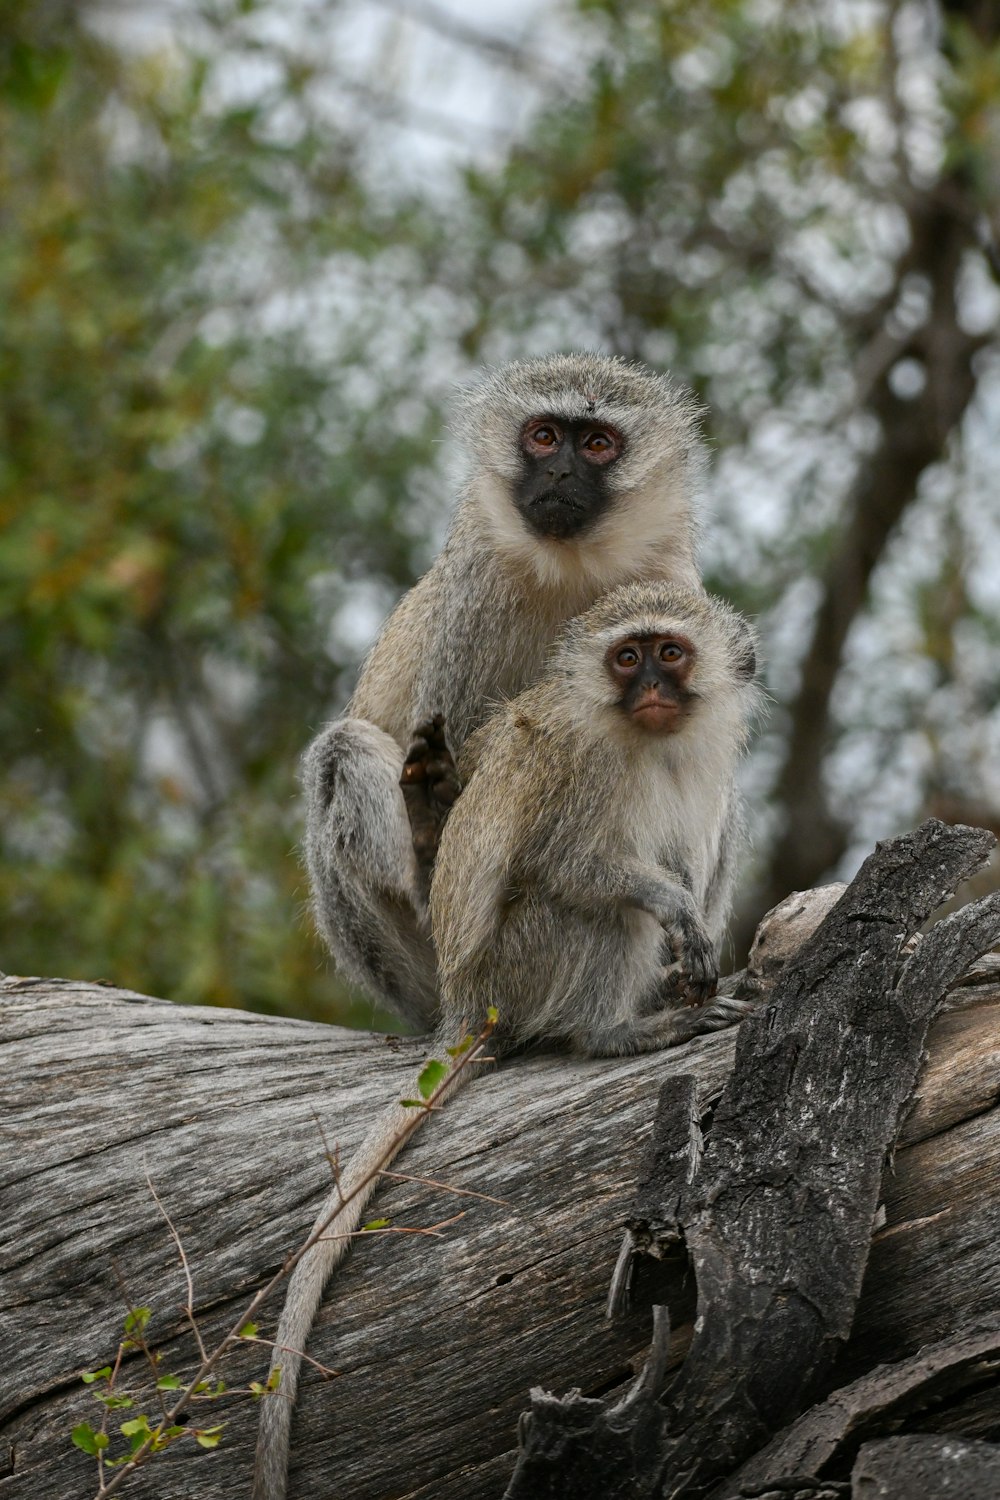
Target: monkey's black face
(653, 673)
(563, 486)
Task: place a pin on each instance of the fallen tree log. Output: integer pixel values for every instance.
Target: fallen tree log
(436, 1341)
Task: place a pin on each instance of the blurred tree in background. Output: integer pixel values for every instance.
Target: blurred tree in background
(236, 285)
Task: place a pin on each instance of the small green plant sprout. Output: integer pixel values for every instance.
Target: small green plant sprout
(432, 1075)
(171, 1397)
(270, 1385)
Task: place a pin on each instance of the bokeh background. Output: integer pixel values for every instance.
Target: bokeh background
(246, 250)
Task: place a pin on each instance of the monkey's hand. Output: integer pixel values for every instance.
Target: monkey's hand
(697, 971)
(430, 789)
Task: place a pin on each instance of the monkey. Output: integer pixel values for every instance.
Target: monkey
(602, 814)
(583, 472)
(582, 881)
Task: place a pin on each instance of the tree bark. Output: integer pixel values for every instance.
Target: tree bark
(775, 1205)
(436, 1340)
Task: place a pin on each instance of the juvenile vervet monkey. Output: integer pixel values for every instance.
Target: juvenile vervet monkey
(583, 879)
(583, 472)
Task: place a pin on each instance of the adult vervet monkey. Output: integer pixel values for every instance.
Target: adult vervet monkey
(582, 882)
(582, 472)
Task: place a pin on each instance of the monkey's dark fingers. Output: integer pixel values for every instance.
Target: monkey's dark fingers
(701, 972)
(431, 732)
(425, 845)
(413, 771)
(697, 992)
(447, 791)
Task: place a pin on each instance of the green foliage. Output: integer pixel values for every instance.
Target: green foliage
(176, 480)
(90, 1441)
(431, 1075)
(266, 1388)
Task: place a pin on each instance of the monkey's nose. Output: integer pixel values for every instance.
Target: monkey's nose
(561, 474)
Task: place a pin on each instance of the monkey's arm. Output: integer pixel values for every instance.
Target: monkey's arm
(596, 880)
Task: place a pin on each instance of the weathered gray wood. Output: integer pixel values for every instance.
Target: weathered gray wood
(931, 1468)
(778, 1208)
(439, 1339)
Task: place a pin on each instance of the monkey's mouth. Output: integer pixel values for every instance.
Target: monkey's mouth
(556, 514)
(559, 498)
(662, 715)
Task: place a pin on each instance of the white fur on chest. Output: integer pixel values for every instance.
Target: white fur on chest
(678, 807)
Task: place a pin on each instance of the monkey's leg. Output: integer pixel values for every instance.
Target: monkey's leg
(430, 789)
(367, 889)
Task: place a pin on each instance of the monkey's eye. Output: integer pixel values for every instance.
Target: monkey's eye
(601, 445)
(670, 651)
(542, 437)
(628, 658)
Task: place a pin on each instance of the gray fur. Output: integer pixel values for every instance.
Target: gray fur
(475, 631)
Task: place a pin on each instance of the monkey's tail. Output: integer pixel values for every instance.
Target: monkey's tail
(305, 1294)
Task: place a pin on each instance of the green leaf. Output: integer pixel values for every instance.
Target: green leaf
(135, 1427)
(248, 1330)
(376, 1224)
(209, 1437)
(274, 1379)
(462, 1047)
(90, 1376)
(85, 1437)
(137, 1319)
(113, 1402)
(432, 1074)
(492, 1014)
(169, 1383)
(412, 1103)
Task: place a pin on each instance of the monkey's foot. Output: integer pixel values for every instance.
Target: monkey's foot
(430, 787)
(725, 1010)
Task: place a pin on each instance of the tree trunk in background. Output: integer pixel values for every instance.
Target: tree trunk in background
(914, 434)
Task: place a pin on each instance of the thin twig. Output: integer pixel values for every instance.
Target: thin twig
(134, 1335)
(189, 1309)
(446, 1187)
(324, 1370)
(432, 1229)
